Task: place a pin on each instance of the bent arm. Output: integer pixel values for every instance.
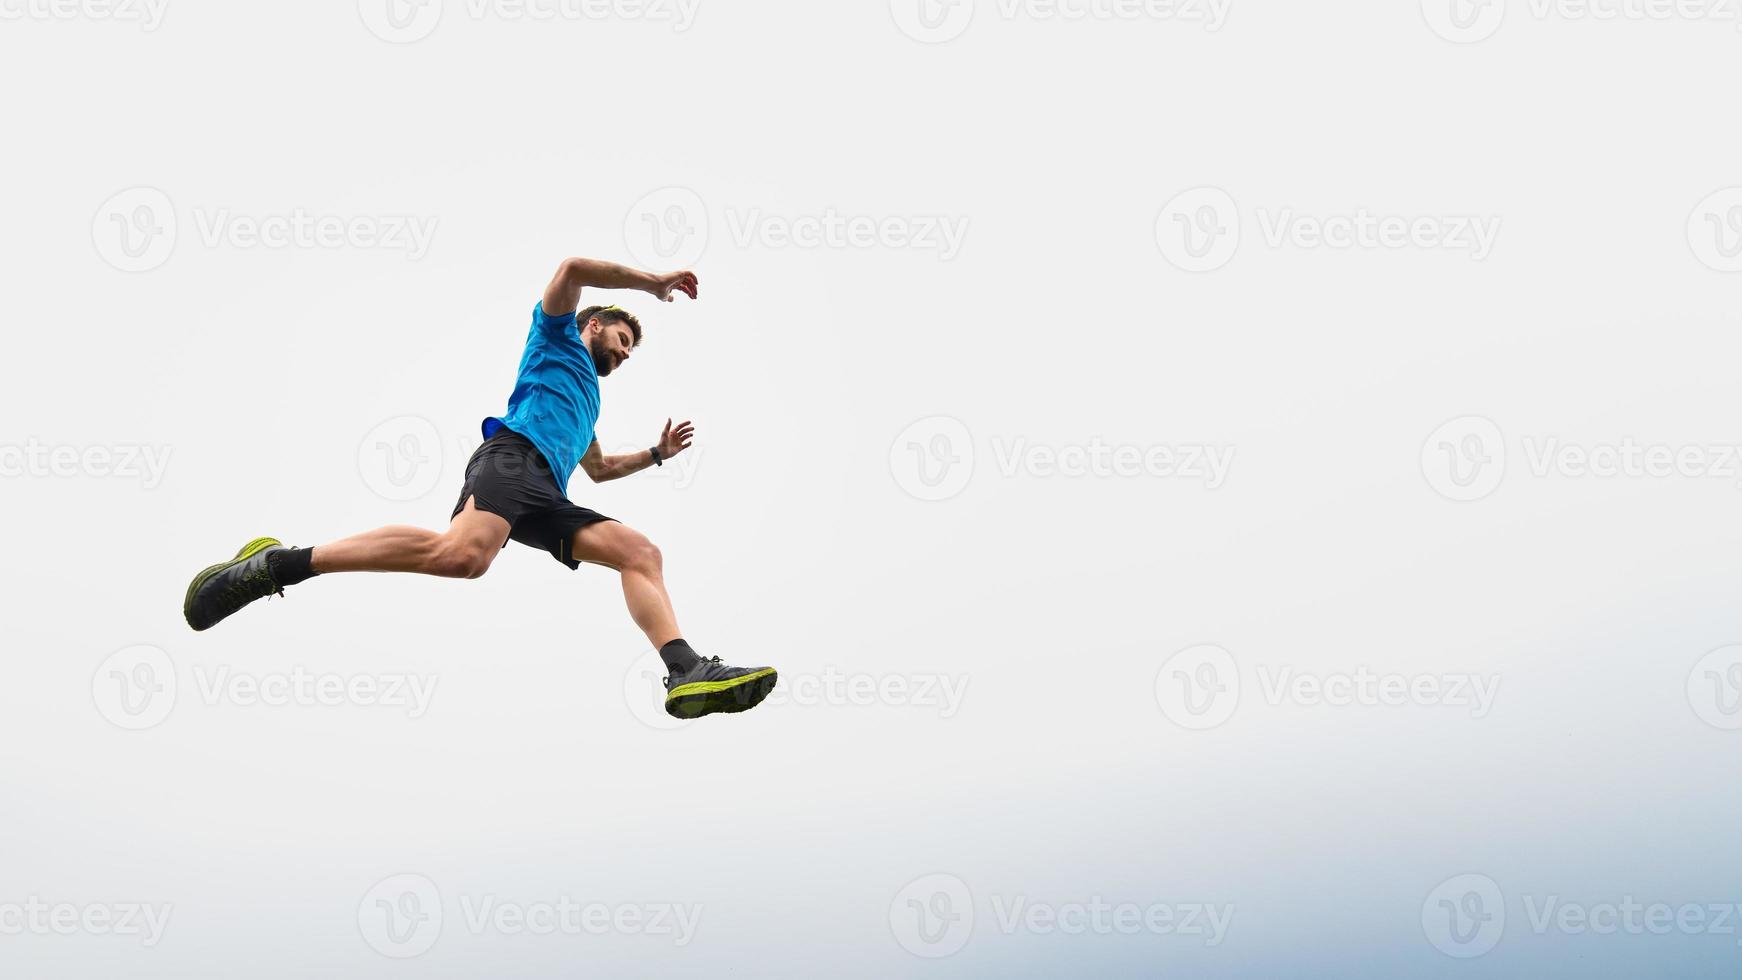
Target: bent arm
(672, 440)
(600, 467)
(563, 295)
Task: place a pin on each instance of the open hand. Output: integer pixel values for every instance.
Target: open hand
(673, 441)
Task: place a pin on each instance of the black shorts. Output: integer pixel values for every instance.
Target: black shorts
(510, 478)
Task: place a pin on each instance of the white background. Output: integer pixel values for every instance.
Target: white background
(799, 537)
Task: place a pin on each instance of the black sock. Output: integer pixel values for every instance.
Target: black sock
(678, 657)
(291, 566)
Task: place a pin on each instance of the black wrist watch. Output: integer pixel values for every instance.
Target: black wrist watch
(657, 461)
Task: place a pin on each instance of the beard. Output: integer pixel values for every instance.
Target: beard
(603, 362)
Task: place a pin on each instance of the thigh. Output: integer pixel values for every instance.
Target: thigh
(608, 542)
(479, 528)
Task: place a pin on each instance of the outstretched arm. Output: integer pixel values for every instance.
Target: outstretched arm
(600, 467)
(563, 295)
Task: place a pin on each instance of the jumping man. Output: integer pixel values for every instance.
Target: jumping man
(516, 488)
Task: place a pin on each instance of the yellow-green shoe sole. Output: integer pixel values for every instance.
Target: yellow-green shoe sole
(721, 697)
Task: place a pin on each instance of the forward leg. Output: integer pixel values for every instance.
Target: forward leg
(642, 567)
(695, 687)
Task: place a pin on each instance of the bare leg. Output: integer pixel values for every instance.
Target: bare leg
(465, 550)
(694, 687)
(638, 560)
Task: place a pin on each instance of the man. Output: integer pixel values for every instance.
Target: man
(515, 488)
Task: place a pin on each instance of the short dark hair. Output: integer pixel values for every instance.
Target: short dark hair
(611, 314)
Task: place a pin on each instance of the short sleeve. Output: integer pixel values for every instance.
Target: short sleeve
(551, 325)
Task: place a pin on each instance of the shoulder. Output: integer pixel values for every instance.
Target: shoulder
(550, 324)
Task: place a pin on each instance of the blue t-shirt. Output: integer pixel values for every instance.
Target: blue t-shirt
(555, 403)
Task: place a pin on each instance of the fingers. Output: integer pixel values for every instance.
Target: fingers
(684, 282)
(682, 435)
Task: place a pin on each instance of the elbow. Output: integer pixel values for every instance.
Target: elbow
(575, 270)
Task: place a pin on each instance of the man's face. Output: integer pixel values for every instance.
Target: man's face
(610, 346)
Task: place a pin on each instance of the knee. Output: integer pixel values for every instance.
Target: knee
(458, 559)
(642, 555)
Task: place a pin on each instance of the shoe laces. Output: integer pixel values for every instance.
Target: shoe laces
(247, 587)
(703, 660)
